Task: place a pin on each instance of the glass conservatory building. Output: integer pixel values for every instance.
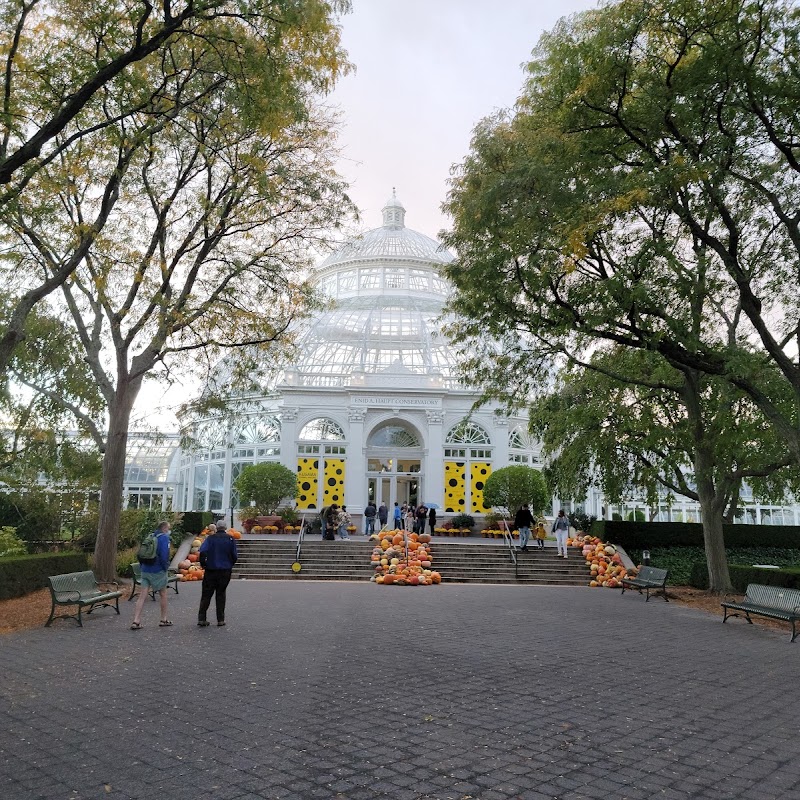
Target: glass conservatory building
(372, 409)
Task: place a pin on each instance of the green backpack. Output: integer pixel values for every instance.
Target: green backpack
(148, 550)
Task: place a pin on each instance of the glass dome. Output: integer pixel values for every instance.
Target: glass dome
(388, 295)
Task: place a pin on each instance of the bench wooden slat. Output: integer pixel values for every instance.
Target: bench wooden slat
(774, 602)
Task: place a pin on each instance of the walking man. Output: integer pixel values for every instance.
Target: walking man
(561, 530)
(154, 578)
(523, 520)
(218, 554)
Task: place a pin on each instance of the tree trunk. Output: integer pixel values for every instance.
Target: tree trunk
(105, 551)
(712, 508)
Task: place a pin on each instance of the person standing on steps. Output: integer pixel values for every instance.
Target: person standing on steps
(432, 519)
(398, 518)
(154, 578)
(370, 512)
(540, 534)
(561, 530)
(343, 520)
(523, 520)
(218, 554)
(383, 514)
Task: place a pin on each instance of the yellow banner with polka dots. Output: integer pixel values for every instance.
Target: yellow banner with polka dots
(455, 488)
(479, 472)
(307, 482)
(333, 482)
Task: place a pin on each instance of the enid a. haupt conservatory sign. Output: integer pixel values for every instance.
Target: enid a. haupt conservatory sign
(396, 401)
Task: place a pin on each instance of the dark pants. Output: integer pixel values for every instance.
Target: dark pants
(214, 580)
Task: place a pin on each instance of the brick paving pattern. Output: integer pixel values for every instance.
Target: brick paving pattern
(348, 690)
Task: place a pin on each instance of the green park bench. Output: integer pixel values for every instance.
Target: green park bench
(647, 579)
(82, 590)
(774, 602)
(136, 572)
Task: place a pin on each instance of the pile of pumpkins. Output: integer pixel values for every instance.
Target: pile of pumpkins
(189, 569)
(403, 559)
(603, 561)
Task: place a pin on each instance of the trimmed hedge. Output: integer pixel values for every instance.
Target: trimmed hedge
(741, 575)
(196, 521)
(22, 574)
(647, 535)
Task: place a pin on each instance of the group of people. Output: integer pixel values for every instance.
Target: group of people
(523, 522)
(413, 518)
(405, 517)
(335, 520)
(217, 556)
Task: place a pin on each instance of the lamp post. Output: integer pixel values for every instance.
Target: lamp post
(646, 558)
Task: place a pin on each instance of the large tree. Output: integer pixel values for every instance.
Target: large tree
(214, 220)
(644, 193)
(81, 79)
(629, 423)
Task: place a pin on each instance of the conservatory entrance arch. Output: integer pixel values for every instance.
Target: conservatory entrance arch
(394, 465)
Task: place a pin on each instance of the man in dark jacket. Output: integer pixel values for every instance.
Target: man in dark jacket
(218, 554)
(523, 520)
(370, 512)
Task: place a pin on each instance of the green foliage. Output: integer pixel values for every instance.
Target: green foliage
(22, 574)
(36, 514)
(289, 515)
(266, 484)
(635, 536)
(618, 207)
(512, 486)
(742, 575)
(10, 543)
(196, 521)
(124, 560)
(463, 521)
(685, 564)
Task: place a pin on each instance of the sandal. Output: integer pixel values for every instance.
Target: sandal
(165, 623)
(136, 626)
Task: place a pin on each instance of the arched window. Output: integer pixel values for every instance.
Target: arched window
(259, 429)
(467, 433)
(393, 436)
(321, 430)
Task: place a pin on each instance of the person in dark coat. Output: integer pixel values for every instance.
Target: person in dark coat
(383, 514)
(522, 522)
(432, 519)
(218, 554)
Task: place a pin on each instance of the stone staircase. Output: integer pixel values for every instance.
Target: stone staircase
(458, 562)
(321, 561)
(464, 562)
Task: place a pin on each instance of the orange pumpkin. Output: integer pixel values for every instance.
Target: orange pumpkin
(193, 558)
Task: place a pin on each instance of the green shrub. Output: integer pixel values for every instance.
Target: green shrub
(20, 575)
(196, 521)
(742, 575)
(649, 535)
(10, 543)
(463, 521)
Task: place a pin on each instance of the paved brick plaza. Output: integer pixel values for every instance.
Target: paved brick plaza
(346, 690)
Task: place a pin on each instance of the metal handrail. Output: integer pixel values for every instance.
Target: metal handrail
(300, 537)
(509, 540)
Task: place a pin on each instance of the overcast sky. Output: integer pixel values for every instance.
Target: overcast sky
(427, 71)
